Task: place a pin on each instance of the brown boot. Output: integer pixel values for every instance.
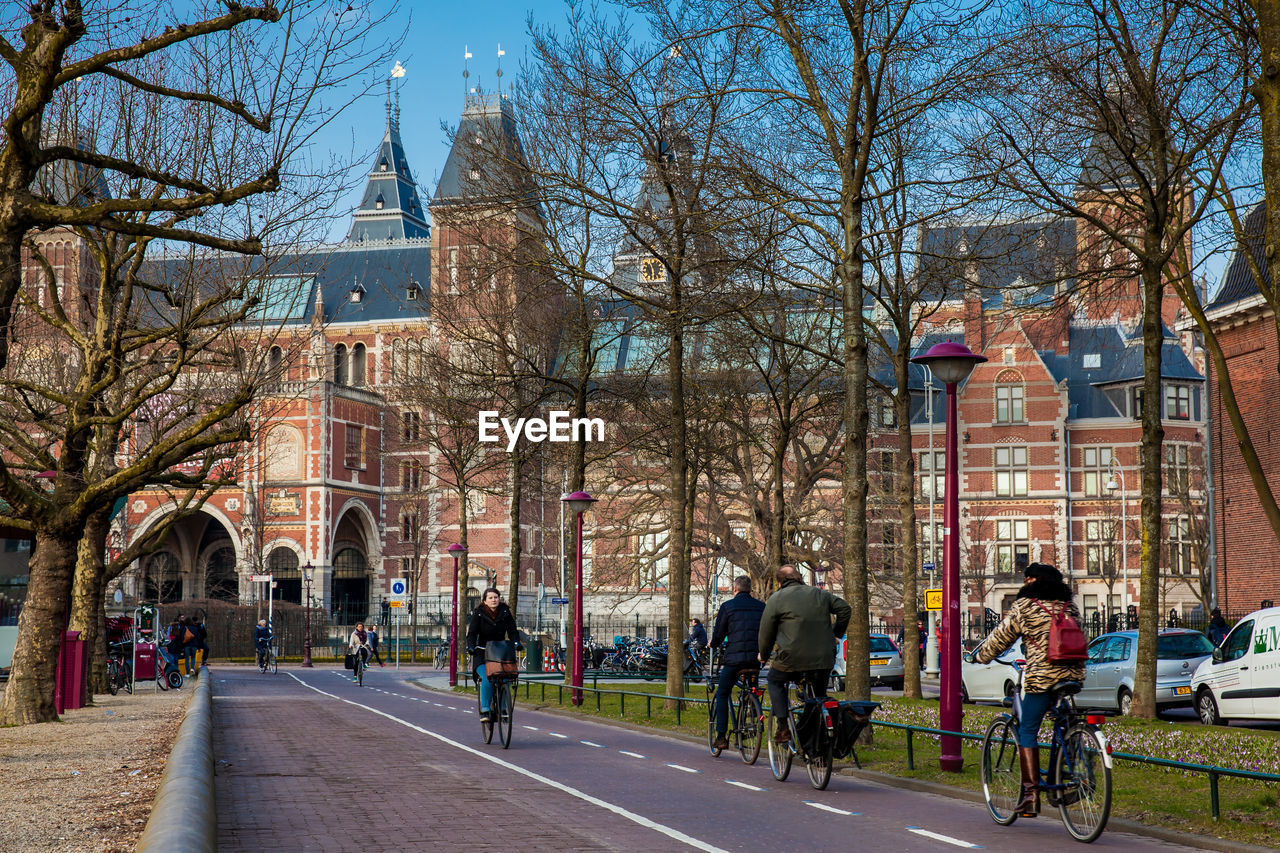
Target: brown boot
(1029, 802)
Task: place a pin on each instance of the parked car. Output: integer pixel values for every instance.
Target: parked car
(1241, 680)
(990, 682)
(886, 662)
(1113, 659)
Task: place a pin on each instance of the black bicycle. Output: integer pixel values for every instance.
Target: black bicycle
(359, 664)
(502, 705)
(267, 659)
(746, 719)
(1078, 779)
(809, 716)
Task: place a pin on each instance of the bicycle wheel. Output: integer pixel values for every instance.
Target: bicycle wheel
(780, 755)
(505, 711)
(1000, 772)
(275, 665)
(113, 677)
(819, 763)
(360, 665)
(486, 729)
(1084, 801)
(126, 676)
(174, 678)
(711, 722)
(750, 727)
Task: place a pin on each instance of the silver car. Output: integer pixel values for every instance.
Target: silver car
(886, 662)
(1113, 659)
(991, 682)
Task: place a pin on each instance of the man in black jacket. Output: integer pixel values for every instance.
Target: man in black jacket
(738, 627)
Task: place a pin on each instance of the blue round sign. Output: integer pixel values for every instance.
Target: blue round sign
(397, 587)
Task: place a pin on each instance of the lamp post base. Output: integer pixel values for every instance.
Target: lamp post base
(951, 763)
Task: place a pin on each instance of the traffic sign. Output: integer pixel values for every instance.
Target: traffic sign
(933, 599)
(559, 601)
(928, 567)
(393, 603)
(399, 586)
(259, 578)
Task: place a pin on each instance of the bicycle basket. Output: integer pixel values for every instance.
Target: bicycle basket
(500, 659)
(849, 720)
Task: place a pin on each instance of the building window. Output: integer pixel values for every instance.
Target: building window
(357, 365)
(1177, 402)
(1009, 404)
(888, 414)
(355, 447)
(453, 269)
(888, 471)
(1178, 547)
(1137, 403)
(1011, 471)
(409, 527)
(397, 360)
(1097, 470)
(409, 569)
(1177, 468)
(933, 556)
(275, 362)
(1100, 547)
(410, 426)
(475, 504)
(340, 364)
(888, 547)
(412, 293)
(411, 475)
(931, 475)
(1013, 543)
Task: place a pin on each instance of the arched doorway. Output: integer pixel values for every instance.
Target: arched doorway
(162, 581)
(350, 586)
(283, 566)
(220, 579)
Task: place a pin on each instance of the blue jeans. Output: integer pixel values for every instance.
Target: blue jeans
(1031, 715)
(486, 687)
(728, 675)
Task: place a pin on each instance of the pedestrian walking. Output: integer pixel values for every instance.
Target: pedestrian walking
(373, 644)
(1217, 630)
(202, 642)
(189, 644)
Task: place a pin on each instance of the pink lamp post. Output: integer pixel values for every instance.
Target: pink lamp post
(456, 550)
(578, 503)
(951, 362)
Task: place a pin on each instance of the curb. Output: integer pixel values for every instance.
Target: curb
(184, 816)
(1159, 833)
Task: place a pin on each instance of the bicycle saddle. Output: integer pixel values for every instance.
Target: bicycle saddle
(1068, 688)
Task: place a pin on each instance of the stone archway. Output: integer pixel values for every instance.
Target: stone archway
(350, 585)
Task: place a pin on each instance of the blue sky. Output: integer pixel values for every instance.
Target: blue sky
(431, 92)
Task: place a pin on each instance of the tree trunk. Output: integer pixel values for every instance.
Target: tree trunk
(678, 569)
(28, 698)
(87, 602)
(854, 483)
(1144, 677)
(513, 583)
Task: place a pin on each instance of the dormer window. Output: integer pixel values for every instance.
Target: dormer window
(357, 293)
(378, 202)
(475, 174)
(382, 165)
(411, 293)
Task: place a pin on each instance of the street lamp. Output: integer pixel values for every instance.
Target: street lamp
(306, 618)
(1112, 486)
(951, 362)
(456, 550)
(820, 571)
(578, 503)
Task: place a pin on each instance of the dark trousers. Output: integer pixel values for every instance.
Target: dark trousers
(376, 656)
(728, 675)
(779, 678)
(189, 653)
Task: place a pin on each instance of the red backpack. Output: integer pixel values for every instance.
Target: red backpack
(1066, 641)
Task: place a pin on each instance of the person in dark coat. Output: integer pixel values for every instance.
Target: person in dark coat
(1217, 631)
(737, 628)
(202, 640)
(373, 644)
(697, 633)
(492, 621)
(190, 643)
(174, 640)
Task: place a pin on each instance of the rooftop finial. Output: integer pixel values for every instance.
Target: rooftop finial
(466, 71)
(393, 119)
(501, 53)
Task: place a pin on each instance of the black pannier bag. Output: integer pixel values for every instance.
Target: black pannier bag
(849, 719)
(808, 723)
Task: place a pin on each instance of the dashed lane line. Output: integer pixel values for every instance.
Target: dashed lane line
(946, 839)
(531, 728)
(682, 767)
(557, 734)
(641, 820)
(743, 785)
(632, 754)
(826, 808)
(589, 743)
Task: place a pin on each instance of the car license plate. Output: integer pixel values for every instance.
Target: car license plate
(879, 661)
(1182, 691)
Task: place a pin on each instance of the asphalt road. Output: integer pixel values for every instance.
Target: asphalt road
(305, 753)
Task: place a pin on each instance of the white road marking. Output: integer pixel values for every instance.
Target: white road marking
(743, 785)
(557, 734)
(589, 743)
(641, 820)
(632, 754)
(531, 728)
(451, 708)
(827, 808)
(944, 838)
(682, 767)
(437, 704)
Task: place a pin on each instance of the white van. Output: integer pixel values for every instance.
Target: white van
(1242, 679)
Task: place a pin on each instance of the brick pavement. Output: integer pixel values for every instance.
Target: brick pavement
(299, 771)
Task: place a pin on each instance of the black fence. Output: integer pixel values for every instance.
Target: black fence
(230, 626)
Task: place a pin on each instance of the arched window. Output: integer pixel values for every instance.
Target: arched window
(275, 362)
(357, 365)
(283, 566)
(220, 579)
(283, 452)
(397, 360)
(163, 579)
(340, 364)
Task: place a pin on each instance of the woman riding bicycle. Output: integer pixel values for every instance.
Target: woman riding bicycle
(359, 644)
(491, 621)
(1042, 597)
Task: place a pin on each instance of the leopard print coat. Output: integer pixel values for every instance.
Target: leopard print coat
(1027, 620)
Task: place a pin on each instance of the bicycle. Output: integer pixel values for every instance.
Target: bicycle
(746, 719)
(267, 661)
(817, 761)
(359, 664)
(1078, 779)
(501, 711)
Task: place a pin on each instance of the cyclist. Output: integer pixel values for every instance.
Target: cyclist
(262, 638)
(491, 621)
(798, 618)
(1041, 597)
(359, 644)
(738, 628)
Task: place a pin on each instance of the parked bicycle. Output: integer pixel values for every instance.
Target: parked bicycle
(120, 668)
(441, 657)
(1078, 778)
(746, 719)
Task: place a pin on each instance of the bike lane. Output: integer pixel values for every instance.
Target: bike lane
(702, 801)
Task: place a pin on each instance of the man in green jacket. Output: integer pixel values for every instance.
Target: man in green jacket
(798, 619)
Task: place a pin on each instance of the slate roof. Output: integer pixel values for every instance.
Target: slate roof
(486, 137)
(1238, 283)
(390, 208)
(1017, 263)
